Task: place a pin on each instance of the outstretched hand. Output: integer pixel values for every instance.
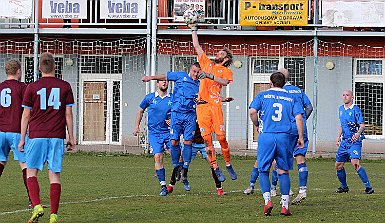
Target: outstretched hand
(146, 79)
(193, 26)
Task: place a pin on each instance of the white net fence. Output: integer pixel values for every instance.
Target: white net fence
(105, 77)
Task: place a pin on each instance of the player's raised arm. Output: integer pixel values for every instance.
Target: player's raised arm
(24, 125)
(197, 47)
(156, 77)
(138, 119)
(70, 128)
(300, 127)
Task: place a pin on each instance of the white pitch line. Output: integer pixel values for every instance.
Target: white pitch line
(142, 195)
(114, 198)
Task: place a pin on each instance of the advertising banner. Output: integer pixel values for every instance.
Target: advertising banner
(353, 13)
(64, 9)
(123, 9)
(274, 13)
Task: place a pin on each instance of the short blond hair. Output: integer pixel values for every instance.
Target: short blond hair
(11, 67)
(46, 63)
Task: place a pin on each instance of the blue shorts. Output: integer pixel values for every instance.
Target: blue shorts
(300, 151)
(158, 141)
(278, 146)
(38, 151)
(198, 148)
(9, 141)
(183, 124)
(348, 150)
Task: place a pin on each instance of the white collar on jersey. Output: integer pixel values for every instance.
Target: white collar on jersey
(288, 83)
(350, 107)
(157, 94)
(277, 89)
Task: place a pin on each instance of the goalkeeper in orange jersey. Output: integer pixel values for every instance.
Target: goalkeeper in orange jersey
(209, 106)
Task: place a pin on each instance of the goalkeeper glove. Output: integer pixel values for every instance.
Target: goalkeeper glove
(205, 75)
(193, 26)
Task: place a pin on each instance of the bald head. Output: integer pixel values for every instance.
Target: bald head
(347, 96)
(285, 72)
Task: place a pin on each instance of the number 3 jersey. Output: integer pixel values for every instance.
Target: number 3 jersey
(10, 107)
(48, 98)
(277, 108)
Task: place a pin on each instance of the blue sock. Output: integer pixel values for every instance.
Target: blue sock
(284, 183)
(161, 174)
(264, 181)
(302, 175)
(175, 155)
(274, 177)
(341, 174)
(186, 155)
(254, 176)
(364, 177)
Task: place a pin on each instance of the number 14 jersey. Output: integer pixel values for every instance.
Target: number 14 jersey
(276, 109)
(48, 98)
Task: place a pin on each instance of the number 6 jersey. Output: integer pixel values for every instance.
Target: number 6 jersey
(277, 109)
(10, 107)
(48, 98)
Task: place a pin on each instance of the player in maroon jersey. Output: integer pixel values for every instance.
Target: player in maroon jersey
(47, 111)
(11, 95)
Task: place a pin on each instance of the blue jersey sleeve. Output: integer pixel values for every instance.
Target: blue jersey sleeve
(145, 103)
(256, 103)
(306, 100)
(298, 108)
(174, 76)
(358, 115)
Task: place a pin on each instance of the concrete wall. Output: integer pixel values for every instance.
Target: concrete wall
(238, 116)
(133, 92)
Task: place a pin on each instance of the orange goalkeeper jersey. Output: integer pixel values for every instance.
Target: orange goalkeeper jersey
(209, 90)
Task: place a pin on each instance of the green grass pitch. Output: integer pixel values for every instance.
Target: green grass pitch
(123, 188)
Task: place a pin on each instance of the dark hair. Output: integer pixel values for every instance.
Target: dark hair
(47, 63)
(196, 64)
(12, 66)
(277, 79)
(229, 55)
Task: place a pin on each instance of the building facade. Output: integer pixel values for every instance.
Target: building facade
(104, 60)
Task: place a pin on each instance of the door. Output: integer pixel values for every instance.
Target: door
(100, 115)
(94, 111)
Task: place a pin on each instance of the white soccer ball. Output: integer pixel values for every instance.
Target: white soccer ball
(190, 16)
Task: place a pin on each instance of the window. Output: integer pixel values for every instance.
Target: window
(28, 69)
(101, 64)
(295, 65)
(369, 67)
(265, 66)
(369, 83)
(183, 63)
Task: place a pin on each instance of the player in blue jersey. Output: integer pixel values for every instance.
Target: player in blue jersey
(349, 140)
(183, 118)
(299, 153)
(159, 108)
(275, 109)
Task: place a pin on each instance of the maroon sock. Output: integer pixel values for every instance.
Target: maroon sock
(33, 190)
(24, 171)
(1, 169)
(54, 197)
